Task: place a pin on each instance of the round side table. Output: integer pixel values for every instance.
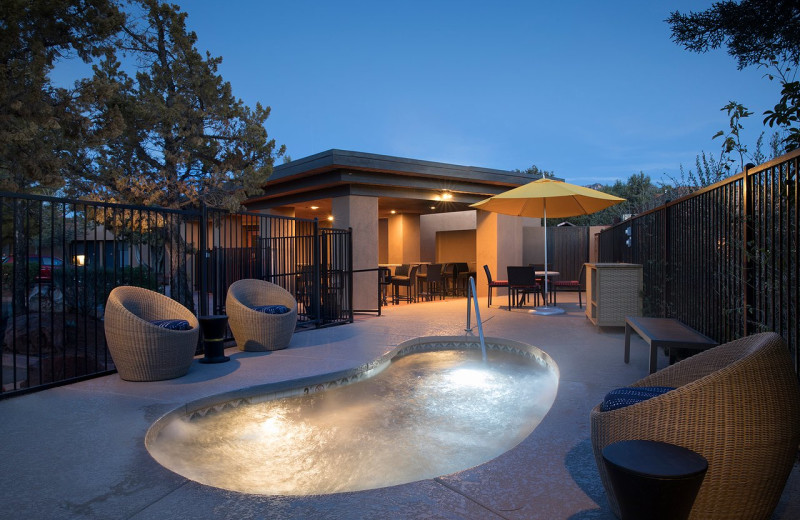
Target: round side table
(654, 480)
(213, 330)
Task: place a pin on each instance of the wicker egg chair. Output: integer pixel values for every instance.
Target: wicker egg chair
(737, 405)
(141, 350)
(256, 331)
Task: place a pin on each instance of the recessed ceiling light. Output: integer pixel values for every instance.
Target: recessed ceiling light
(314, 207)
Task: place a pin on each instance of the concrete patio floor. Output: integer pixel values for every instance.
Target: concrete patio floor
(78, 451)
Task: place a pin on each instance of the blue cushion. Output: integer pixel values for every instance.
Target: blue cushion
(272, 309)
(172, 324)
(622, 397)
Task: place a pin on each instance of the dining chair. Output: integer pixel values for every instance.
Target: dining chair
(493, 284)
(570, 285)
(522, 282)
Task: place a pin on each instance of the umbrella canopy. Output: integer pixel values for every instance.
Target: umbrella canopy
(548, 198)
(559, 198)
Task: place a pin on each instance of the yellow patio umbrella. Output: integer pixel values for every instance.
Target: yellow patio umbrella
(545, 198)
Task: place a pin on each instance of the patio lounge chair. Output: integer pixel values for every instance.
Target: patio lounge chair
(256, 331)
(737, 405)
(142, 350)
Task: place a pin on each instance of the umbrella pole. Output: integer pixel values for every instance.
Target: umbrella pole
(546, 310)
(544, 221)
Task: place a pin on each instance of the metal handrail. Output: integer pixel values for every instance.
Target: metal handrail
(471, 295)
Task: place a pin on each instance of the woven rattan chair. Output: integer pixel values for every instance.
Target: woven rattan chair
(737, 405)
(256, 331)
(141, 350)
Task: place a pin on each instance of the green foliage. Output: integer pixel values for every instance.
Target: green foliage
(764, 33)
(786, 114)
(732, 142)
(41, 127)
(86, 287)
(30, 275)
(640, 195)
(178, 136)
(537, 172)
(755, 31)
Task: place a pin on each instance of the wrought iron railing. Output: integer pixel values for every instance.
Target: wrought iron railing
(62, 257)
(724, 259)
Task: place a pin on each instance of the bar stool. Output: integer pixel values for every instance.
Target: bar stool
(409, 282)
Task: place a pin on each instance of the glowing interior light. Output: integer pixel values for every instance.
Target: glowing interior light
(393, 212)
(447, 196)
(470, 377)
(314, 207)
(330, 218)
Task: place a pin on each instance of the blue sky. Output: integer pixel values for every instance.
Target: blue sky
(595, 91)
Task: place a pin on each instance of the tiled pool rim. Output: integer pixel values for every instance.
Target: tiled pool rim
(318, 383)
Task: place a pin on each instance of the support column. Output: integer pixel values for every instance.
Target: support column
(404, 239)
(361, 214)
(498, 244)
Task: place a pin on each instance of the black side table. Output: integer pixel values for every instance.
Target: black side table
(213, 330)
(654, 480)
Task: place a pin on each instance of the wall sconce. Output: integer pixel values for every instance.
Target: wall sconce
(330, 218)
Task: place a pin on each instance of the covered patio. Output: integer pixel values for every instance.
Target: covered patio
(77, 451)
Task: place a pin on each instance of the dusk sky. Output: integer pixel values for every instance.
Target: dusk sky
(594, 91)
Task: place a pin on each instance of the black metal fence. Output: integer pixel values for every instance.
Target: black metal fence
(62, 257)
(724, 259)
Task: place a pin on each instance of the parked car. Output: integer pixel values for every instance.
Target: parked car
(46, 266)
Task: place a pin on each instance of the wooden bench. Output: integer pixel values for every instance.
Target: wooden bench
(666, 333)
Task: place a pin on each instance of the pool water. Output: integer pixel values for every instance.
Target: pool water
(427, 414)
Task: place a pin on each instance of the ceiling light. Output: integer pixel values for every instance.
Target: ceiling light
(330, 218)
(393, 212)
(314, 207)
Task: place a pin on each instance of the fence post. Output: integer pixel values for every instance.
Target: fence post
(316, 250)
(748, 291)
(202, 262)
(350, 272)
(666, 273)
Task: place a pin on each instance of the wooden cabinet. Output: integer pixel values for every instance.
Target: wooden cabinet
(613, 291)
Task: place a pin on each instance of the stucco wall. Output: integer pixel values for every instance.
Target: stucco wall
(429, 225)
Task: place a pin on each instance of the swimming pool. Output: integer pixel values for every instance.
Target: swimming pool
(427, 408)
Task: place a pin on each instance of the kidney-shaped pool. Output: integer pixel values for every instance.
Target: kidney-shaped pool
(428, 408)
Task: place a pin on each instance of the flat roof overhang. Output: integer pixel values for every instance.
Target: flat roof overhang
(401, 185)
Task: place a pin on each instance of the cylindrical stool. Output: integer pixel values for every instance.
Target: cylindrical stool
(213, 330)
(654, 480)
